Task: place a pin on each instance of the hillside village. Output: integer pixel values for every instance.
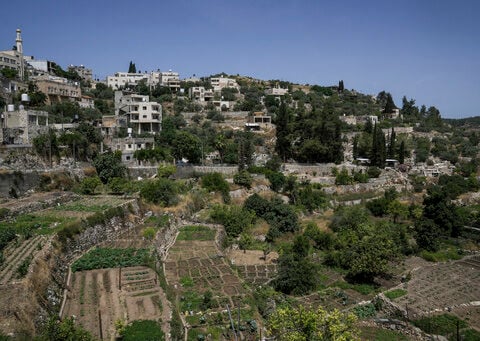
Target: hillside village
(209, 208)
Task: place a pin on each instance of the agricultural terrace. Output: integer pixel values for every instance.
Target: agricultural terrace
(109, 286)
(25, 234)
(204, 284)
(451, 286)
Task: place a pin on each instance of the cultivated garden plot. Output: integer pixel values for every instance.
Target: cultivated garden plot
(205, 284)
(253, 266)
(451, 286)
(99, 298)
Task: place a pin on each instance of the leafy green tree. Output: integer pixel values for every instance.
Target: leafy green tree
(89, 184)
(109, 165)
(160, 191)
(302, 324)
(364, 251)
(46, 144)
(9, 73)
(397, 210)
(427, 234)
(236, 220)
(321, 240)
(188, 146)
(295, 276)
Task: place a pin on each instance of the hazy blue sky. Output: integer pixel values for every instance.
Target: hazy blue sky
(428, 50)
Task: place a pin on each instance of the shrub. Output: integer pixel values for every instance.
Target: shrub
(277, 180)
(342, 178)
(164, 171)
(119, 185)
(149, 233)
(374, 172)
(396, 293)
(243, 178)
(143, 330)
(214, 182)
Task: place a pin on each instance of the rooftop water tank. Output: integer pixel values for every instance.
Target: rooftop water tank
(25, 98)
(10, 107)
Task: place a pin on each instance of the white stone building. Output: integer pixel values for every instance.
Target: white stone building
(219, 83)
(21, 126)
(121, 79)
(170, 79)
(200, 94)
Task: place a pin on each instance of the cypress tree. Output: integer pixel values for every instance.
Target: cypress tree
(378, 153)
(391, 145)
(282, 146)
(401, 153)
(389, 106)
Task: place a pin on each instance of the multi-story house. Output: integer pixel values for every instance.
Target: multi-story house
(200, 94)
(142, 115)
(83, 72)
(58, 89)
(122, 79)
(219, 83)
(276, 91)
(22, 125)
(129, 145)
(170, 79)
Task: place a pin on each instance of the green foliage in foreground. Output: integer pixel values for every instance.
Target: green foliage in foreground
(56, 330)
(143, 330)
(102, 258)
(308, 324)
(196, 233)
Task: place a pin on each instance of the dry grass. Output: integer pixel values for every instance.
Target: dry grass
(89, 171)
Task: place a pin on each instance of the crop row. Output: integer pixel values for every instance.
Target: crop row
(102, 258)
